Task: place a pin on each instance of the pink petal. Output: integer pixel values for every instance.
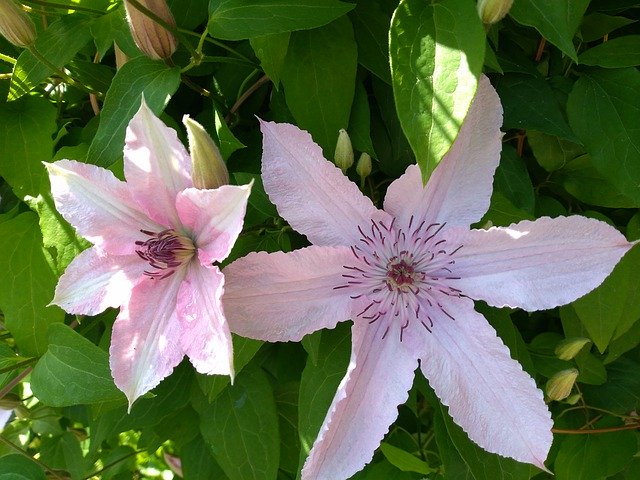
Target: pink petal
(205, 335)
(215, 217)
(537, 265)
(488, 393)
(156, 165)
(94, 282)
(459, 190)
(146, 335)
(311, 193)
(98, 205)
(284, 296)
(378, 379)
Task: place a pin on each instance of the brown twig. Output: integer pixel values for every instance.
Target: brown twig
(261, 81)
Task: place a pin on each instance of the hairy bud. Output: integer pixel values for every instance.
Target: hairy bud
(208, 167)
(152, 39)
(15, 24)
(560, 385)
(343, 156)
(492, 11)
(570, 347)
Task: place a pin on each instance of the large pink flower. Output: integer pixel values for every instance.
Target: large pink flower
(406, 276)
(155, 240)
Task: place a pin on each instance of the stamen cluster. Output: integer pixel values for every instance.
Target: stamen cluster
(165, 251)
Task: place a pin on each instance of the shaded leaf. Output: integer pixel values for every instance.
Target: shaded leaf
(616, 53)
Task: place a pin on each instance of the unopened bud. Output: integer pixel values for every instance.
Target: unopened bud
(560, 385)
(363, 166)
(570, 347)
(344, 151)
(15, 24)
(492, 11)
(208, 167)
(152, 39)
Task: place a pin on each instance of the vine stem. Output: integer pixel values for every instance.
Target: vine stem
(595, 430)
(261, 81)
(8, 59)
(66, 6)
(65, 76)
(15, 381)
(15, 447)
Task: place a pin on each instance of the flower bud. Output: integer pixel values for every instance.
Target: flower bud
(152, 39)
(344, 151)
(363, 167)
(570, 347)
(560, 385)
(15, 24)
(492, 11)
(208, 167)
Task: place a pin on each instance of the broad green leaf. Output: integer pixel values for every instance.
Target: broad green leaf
(360, 122)
(198, 462)
(612, 308)
(286, 396)
(591, 368)
(138, 77)
(19, 467)
(437, 52)
(58, 44)
(26, 126)
(513, 181)
(73, 371)
(588, 457)
(530, 104)
(311, 345)
(502, 212)
(241, 428)
(557, 21)
(113, 27)
(603, 111)
(371, 29)
(241, 19)
(319, 77)
(319, 383)
(383, 470)
(271, 50)
(8, 359)
(189, 14)
(597, 25)
(224, 138)
(616, 53)
(403, 460)
(621, 392)
(63, 452)
(623, 343)
(95, 76)
(28, 284)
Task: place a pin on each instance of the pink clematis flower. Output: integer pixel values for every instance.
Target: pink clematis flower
(155, 240)
(406, 276)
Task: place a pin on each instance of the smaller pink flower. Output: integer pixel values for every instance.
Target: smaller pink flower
(155, 241)
(407, 277)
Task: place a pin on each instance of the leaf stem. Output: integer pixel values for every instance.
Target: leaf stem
(595, 430)
(9, 386)
(61, 73)
(12, 445)
(8, 59)
(66, 6)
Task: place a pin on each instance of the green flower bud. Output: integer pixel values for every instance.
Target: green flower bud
(152, 39)
(15, 24)
(344, 151)
(363, 167)
(492, 11)
(208, 167)
(560, 385)
(570, 347)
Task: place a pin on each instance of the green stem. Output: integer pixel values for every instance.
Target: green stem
(8, 59)
(17, 365)
(15, 447)
(65, 6)
(61, 73)
(217, 44)
(15, 381)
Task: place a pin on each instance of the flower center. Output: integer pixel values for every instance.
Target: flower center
(400, 272)
(165, 251)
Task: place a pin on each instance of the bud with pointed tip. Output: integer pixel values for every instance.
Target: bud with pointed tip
(363, 167)
(15, 24)
(560, 385)
(343, 156)
(492, 11)
(570, 347)
(152, 39)
(208, 167)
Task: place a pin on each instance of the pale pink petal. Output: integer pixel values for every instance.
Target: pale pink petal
(156, 165)
(378, 379)
(215, 218)
(205, 337)
(537, 265)
(487, 392)
(98, 205)
(311, 193)
(5, 415)
(94, 282)
(145, 343)
(459, 190)
(284, 296)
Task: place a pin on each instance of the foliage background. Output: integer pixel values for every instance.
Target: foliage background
(566, 72)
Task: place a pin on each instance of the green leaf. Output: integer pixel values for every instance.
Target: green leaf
(621, 392)
(603, 111)
(319, 383)
(612, 308)
(319, 77)
(403, 460)
(241, 19)
(63, 452)
(73, 371)
(371, 29)
(557, 21)
(224, 138)
(437, 52)
(360, 122)
(513, 181)
(588, 457)
(28, 286)
(597, 25)
(503, 213)
(271, 50)
(198, 462)
(530, 104)
(138, 76)
(616, 53)
(18, 467)
(26, 126)
(241, 428)
(189, 14)
(58, 44)
(551, 152)
(287, 404)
